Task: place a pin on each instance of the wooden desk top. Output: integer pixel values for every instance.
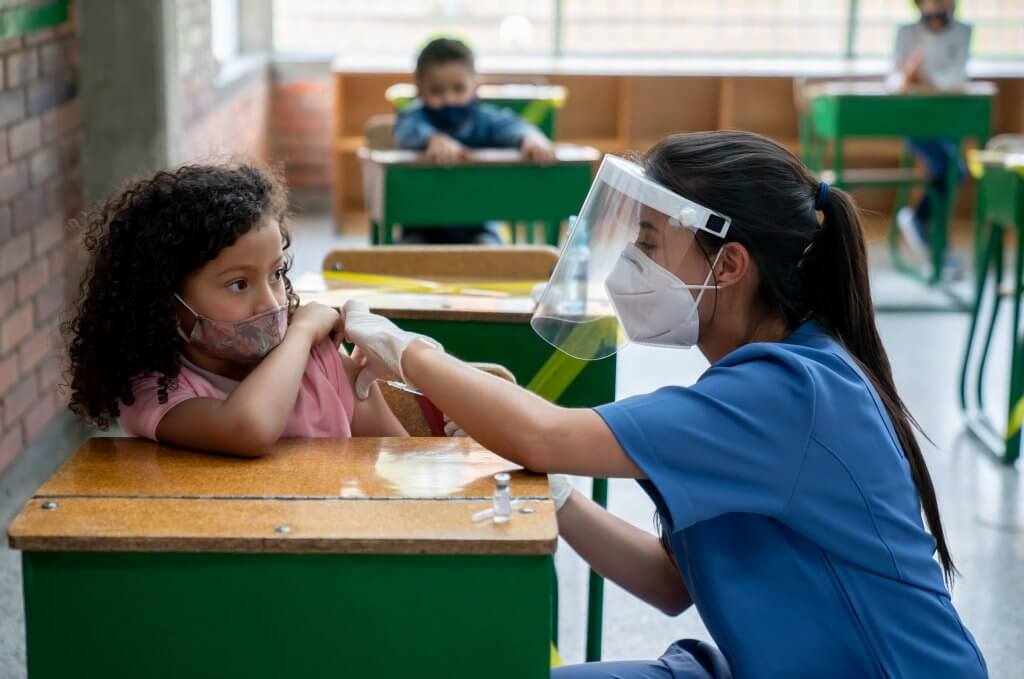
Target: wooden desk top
(430, 307)
(369, 495)
(857, 88)
(564, 154)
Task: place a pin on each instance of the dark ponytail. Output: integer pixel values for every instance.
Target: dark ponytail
(835, 278)
(809, 269)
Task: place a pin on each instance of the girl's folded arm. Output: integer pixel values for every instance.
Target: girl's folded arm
(254, 415)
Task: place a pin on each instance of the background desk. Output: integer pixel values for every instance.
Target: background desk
(844, 110)
(494, 184)
(1001, 178)
(159, 562)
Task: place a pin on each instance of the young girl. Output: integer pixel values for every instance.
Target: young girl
(187, 330)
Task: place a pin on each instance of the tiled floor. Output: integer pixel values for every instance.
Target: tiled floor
(981, 502)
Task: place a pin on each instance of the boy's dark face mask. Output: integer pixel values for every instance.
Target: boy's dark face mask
(450, 118)
(936, 21)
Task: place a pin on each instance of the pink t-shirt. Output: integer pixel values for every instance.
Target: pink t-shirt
(323, 407)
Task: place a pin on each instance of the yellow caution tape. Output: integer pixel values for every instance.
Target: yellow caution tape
(535, 111)
(976, 167)
(418, 285)
(561, 369)
(1016, 419)
(978, 158)
(555, 376)
(556, 660)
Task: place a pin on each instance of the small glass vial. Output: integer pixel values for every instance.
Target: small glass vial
(502, 498)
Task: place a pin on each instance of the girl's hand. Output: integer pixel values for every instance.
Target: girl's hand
(317, 321)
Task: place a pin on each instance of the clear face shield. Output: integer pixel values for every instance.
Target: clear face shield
(618, 276)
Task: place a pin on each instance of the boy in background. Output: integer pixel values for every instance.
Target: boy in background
(931, 52)
(446, 120)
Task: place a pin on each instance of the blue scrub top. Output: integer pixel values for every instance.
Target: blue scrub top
(793, 516)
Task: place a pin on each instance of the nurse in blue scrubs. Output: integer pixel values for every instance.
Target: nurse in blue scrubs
(796, 510)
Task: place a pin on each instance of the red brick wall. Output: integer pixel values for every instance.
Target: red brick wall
(300, 127)
(218, 118)
(40, 189)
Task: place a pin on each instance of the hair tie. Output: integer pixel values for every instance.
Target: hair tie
(822, 197)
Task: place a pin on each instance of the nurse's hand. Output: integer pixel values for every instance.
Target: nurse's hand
(561, 489)
(380, 343)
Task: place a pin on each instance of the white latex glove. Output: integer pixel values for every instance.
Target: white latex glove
(380, 343)
(561, 489)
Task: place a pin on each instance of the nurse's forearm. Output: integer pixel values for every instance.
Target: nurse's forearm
(628, 556)
(515, 423)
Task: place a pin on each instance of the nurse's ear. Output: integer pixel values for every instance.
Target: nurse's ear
(733, 266)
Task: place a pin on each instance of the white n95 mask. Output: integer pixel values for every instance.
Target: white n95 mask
(653, 305)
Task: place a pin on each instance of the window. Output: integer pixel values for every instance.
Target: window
(632, 28)
(998, 26)
(224, 29)
(735, 28)
(401, 27)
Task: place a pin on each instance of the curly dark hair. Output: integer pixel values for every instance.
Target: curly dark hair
(143, 242)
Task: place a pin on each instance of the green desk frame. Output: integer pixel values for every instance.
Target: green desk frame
(284, 615)
(839, 111)
(1002, 222)
(493, 185)
(517, 347)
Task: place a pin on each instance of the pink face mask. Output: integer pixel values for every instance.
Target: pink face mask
(244, 341)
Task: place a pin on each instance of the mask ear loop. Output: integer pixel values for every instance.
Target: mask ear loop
(705, 287)
(181, 331)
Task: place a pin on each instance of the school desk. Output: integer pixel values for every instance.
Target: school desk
(536, 104)
(839, 111)
(1001, 188)
(492, 184)
(497, 330)
(326, 558)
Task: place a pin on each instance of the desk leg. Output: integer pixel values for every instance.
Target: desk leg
(981, 275)
(979, 223)
(810, 144)
(900, 200)
(552, 227)
(995, 267)
(386, 228)
(1012, 451)
(595, 594)
(943, 215)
